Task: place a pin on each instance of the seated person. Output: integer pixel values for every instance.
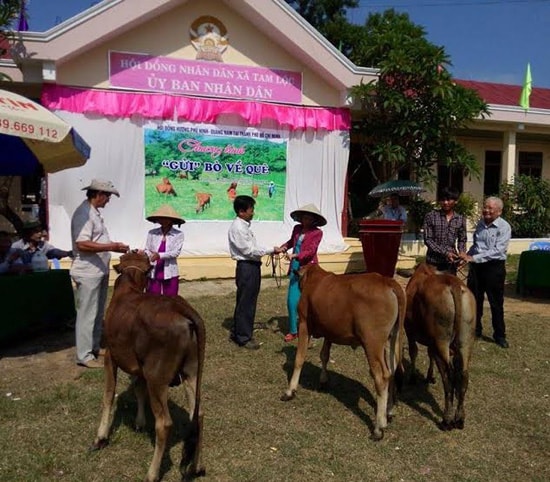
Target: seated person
(10, 258)
(32, 241)
(393, 210)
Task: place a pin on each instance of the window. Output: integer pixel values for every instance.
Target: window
(449, 177)
(492, 174)
(530, 164)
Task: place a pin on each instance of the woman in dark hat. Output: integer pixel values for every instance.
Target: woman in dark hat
(163, 246)
(304, 241)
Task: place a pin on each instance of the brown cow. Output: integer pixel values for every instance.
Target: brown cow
(165, 187)
(160, 340)
(232, 191)
(255, 190)
(441, 313)
(365, 310)
(203, 201)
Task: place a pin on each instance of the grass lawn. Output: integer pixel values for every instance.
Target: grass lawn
(48, 420)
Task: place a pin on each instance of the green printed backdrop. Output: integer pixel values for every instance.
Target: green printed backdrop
(203, 158)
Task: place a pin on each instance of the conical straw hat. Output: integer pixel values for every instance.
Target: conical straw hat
(309, 209)
(166, 211)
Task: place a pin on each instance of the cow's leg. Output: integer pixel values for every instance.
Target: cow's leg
(430, 374)
(140, 389)
(102, 437)
(303, 341)
(413, 354)
(461, 362)
(158, 398)
(447, 378)
(381, 377)
(325, 357)
(190, 392)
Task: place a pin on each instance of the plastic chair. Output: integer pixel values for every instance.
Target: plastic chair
(542, 245)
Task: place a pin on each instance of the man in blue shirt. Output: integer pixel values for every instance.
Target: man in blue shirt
(487, 270)
(394, 211)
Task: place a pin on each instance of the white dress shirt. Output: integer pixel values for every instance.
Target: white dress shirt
(242, 243)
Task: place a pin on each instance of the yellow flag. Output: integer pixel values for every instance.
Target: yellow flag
(527, 87)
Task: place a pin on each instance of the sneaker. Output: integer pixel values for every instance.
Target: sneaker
(93, 363)
(251, 344)
(290, 337)
(502, 342)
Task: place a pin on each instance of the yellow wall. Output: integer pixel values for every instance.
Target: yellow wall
(168, 36)
(479, 146)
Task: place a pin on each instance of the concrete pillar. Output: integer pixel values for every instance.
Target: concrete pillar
(508, 170)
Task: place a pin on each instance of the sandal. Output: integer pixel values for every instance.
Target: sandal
(290, 337)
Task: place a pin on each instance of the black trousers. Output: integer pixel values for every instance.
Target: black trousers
(488, 278)
(248, 280)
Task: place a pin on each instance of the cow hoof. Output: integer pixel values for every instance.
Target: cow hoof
(459, 424)
(191, 475)
(446, 426)
(377, 435)
(285, 397)
(323, 386)
(99, 444)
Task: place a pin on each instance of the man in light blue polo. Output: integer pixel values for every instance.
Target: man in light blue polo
(487, 268)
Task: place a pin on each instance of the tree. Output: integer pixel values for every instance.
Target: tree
(408, 119)
(527, 206)
(329, 18)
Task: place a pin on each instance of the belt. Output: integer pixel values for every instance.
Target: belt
(249, 261)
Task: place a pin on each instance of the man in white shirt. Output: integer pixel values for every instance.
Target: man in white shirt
(245, 250)
(90, 269)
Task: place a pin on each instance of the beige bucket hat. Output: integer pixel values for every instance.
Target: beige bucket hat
(166, 211)
(102, 185)
(309, 209)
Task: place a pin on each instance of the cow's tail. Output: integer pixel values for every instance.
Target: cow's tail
(396, 344)
(193, 440)
(456, 354)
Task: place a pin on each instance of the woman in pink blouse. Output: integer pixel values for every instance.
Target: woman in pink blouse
(304, 241)
(163, 246)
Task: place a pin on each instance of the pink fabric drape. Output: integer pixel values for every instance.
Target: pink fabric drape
(169, 107)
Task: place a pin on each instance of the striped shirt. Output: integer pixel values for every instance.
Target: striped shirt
(442, 236)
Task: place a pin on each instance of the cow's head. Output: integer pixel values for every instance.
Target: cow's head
(137, 260)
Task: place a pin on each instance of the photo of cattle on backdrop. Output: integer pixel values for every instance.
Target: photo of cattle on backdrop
(160, 341)
(441, 313)
(223, 161)
(166, 187)
(366, 310)
(203, 201)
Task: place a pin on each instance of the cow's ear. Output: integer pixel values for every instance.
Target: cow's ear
(117, 268)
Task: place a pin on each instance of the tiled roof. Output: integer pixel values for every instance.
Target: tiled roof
(505, 94)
